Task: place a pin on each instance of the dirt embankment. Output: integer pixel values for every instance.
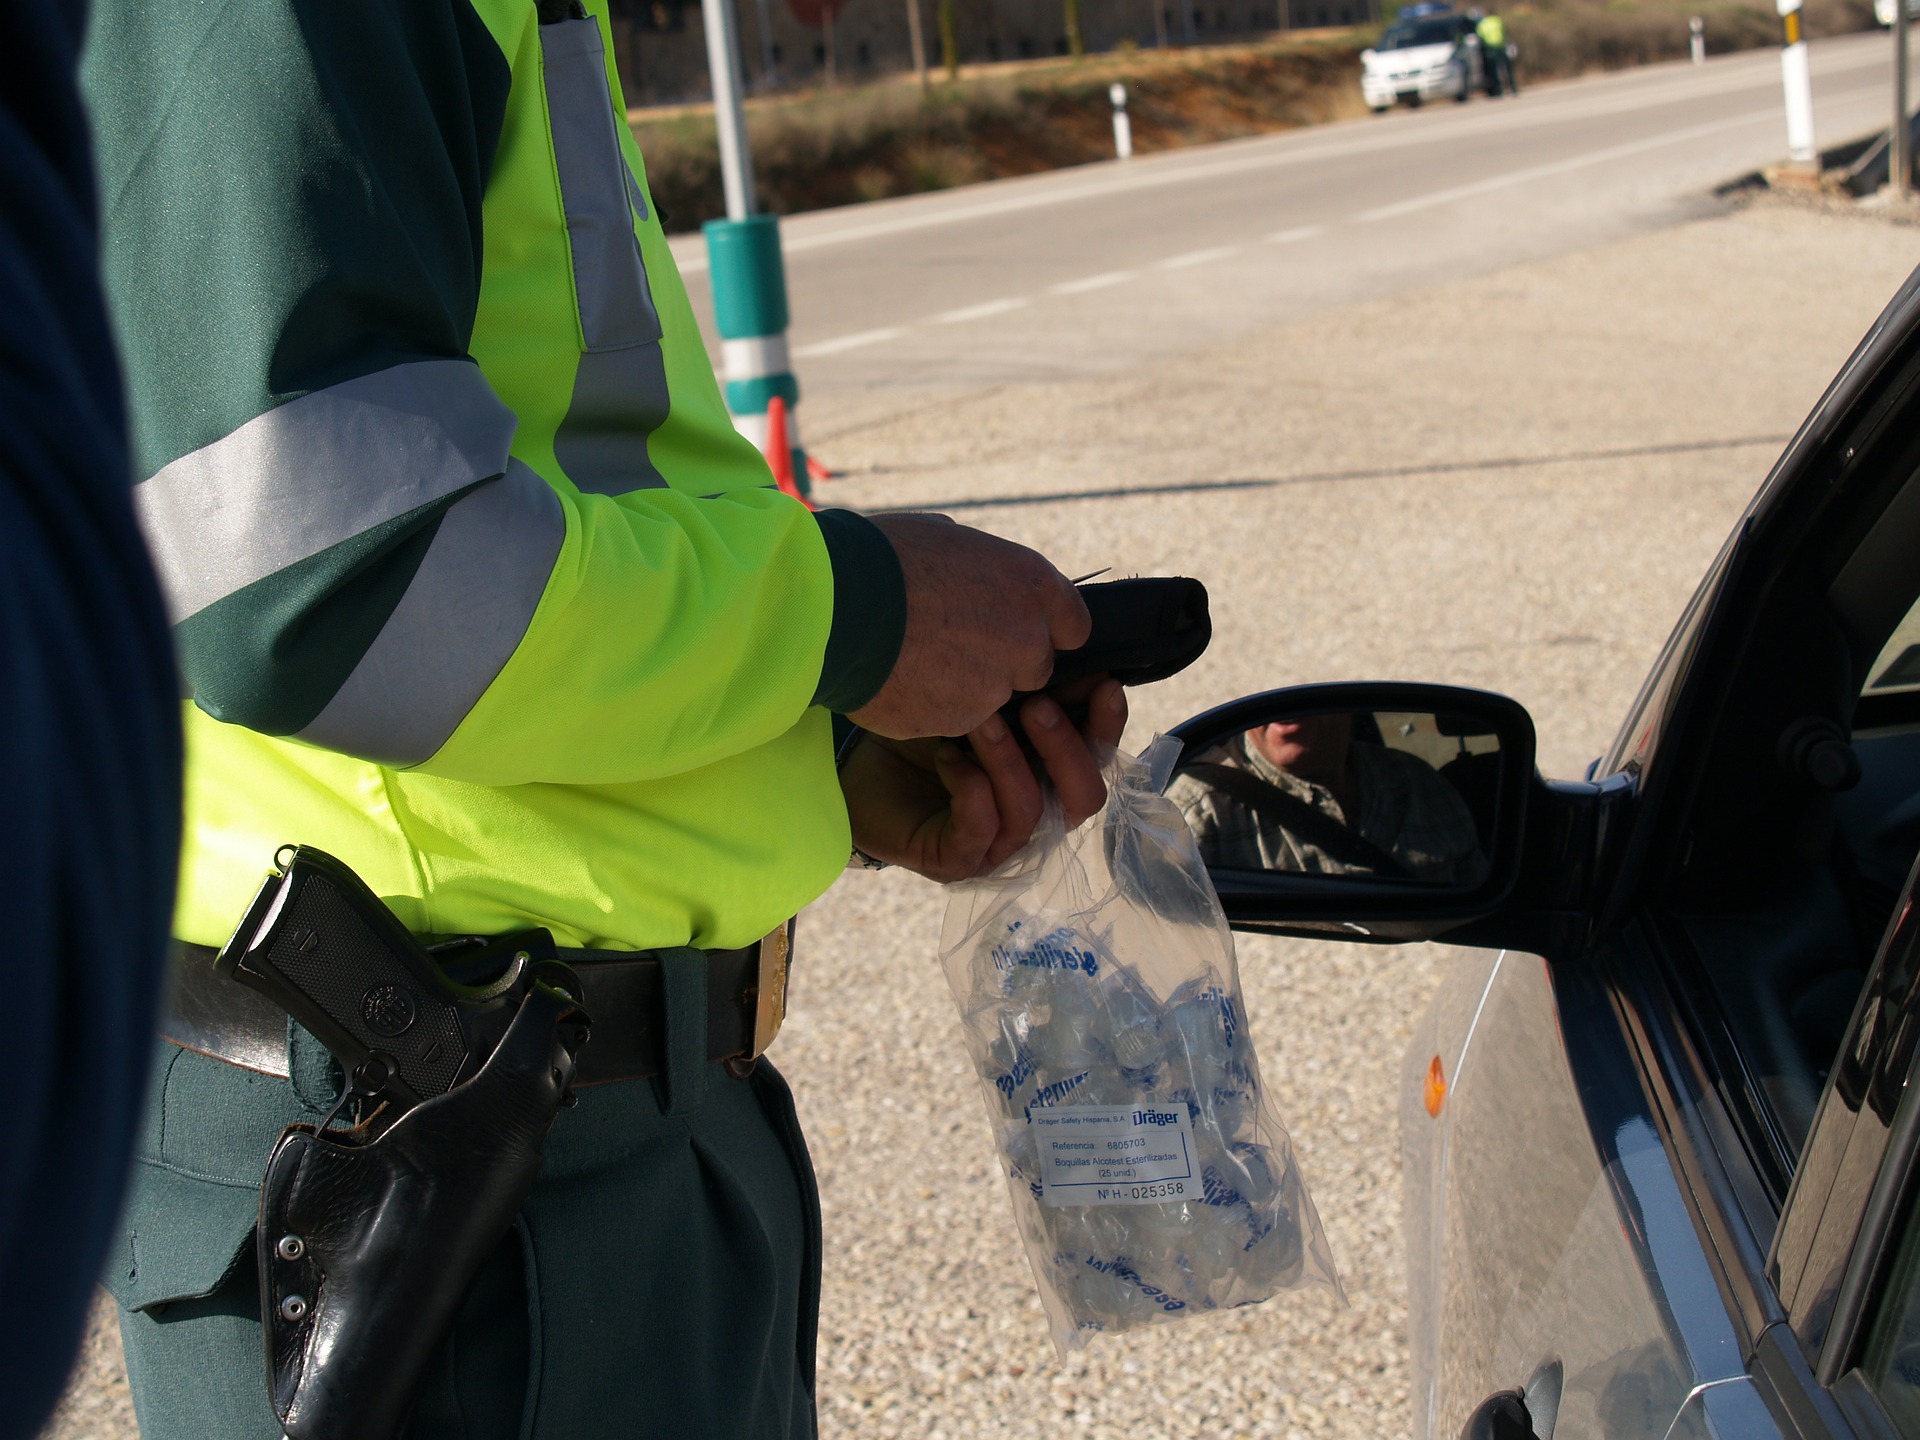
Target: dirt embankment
(829, 148)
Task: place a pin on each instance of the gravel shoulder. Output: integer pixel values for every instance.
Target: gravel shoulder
(1511, 482)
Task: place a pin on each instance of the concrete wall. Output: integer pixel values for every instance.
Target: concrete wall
(662, 43)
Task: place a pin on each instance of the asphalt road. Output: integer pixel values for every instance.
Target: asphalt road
(1114, 266)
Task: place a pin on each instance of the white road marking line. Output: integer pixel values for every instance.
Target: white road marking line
(847, 342)
(1198, 257)
(978, 312)
(1561, 167)
(1091, 282)
(1298, 232)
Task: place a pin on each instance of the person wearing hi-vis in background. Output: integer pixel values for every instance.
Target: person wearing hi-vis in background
(1495, 55)
(481, 599)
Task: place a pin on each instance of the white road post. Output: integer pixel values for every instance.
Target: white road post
(1899, 148)
(1122, 126)
(1697, 39)
(1798, 80)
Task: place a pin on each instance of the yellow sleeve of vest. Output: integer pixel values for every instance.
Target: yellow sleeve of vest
(673, 632)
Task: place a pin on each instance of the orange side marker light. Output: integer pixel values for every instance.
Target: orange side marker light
(1435, 1090)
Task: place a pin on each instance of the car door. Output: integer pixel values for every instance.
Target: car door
(1606, 1118)
(1632, 1108)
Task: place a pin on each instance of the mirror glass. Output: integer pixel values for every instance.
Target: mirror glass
(1384, 795)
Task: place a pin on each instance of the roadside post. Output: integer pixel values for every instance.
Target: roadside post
(1798, 81)
(1697, 39)
(1122, 126)
(744, 263)
(1900, 139)
(918, 42)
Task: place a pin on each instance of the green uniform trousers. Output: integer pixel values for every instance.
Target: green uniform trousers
(663, 1279)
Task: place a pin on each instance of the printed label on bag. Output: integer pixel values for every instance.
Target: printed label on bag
(1115, 1154)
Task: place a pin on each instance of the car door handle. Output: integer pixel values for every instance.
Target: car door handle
(1501, 1416)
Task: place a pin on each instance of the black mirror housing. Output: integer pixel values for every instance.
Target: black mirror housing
(1385, 907)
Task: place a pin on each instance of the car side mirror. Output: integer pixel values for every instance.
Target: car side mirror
(1387, 812)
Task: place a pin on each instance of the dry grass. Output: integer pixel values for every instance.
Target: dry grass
(844, 147)
(840, 148)
(1575, 38)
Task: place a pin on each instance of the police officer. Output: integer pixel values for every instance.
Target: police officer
(476, 588)
(1494, 54)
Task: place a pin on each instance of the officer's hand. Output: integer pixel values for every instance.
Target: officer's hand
(984, 616)
(931, 807)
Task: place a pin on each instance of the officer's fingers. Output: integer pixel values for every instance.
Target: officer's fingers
(972, 821)
(1016, 793)
(1068, 622)
(1070, 763)
(1033, 668)
(1106, 714)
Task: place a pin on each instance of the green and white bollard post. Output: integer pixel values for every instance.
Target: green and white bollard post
(750, 310)
(743, 253)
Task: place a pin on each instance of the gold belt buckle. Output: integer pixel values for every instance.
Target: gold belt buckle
(769, 997)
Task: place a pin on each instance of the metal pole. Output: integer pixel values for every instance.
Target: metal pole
(1900, 142)
(1797, 79)
(723, 62)
(918, 42)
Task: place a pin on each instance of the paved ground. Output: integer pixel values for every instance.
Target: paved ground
(1511, 481)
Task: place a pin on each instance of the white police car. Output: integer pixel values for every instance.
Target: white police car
(1420, 57)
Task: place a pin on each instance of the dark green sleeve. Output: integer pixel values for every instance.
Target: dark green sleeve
(291, 200)
(869, 611)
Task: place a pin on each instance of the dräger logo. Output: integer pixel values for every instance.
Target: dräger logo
(1156, 1117)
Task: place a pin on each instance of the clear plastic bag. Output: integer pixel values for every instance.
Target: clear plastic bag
(1095, 978)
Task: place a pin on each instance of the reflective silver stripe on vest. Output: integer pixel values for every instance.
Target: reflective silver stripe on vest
(460, 621)
(620, 390)
(318, 470)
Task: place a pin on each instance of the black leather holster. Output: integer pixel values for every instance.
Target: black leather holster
(369, 1242)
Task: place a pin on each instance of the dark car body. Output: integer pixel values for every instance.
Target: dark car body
(1659, 1131)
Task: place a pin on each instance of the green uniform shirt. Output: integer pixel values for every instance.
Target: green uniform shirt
(473, 582)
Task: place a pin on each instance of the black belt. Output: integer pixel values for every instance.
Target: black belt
(746, 1001)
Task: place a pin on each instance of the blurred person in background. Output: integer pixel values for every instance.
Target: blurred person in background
(1495, 55)
(88, 732)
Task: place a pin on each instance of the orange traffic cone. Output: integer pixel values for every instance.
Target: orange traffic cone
(780, 452)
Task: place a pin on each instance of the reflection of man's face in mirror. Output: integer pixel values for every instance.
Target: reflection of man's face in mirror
(1314, 748)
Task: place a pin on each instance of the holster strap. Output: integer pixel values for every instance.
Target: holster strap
(746, 993)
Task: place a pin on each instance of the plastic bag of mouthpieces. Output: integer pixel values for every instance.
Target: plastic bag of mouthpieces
(1095, 978)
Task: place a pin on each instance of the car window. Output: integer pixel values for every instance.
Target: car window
(1404, 36)
(1891, 1365)
(1897, 667)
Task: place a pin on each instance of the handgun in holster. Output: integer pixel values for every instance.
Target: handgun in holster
(458, 1060)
